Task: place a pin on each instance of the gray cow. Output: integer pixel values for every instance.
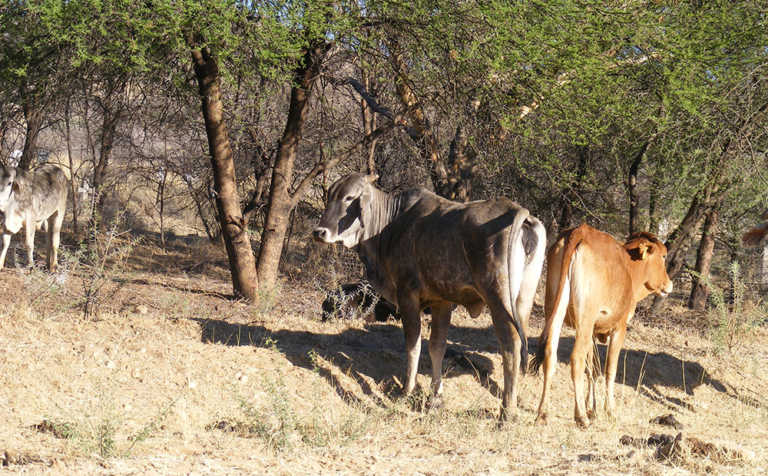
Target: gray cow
(422, 250)
(33, 199)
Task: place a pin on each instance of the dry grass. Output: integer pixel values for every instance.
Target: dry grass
(173, 377)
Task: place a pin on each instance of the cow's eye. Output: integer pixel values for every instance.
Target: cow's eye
(349, 198)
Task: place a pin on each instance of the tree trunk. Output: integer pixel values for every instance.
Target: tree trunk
(764, 269)
(575, 190)
(461, 166)
(33, 115)
(653, 199)
(235, 232)
(700, 288)
(72, 174)
(680, 239)
(369, 123)
(110, 119)
(421, 133)
(160, 198)
(634, 195)
(280, 198)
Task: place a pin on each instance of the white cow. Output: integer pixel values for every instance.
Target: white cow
(33, 199)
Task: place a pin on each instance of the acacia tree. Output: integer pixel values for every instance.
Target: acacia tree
(30, 71)
(112, 39)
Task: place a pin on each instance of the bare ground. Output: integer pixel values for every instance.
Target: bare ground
(174, 377)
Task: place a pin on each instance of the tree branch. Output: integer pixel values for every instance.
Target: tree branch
(330, 162)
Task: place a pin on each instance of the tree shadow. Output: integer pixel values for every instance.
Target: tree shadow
(170, 285)
(374, 354)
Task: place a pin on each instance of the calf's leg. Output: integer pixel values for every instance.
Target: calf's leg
(611, 364)
(578, 367)
(592, 372)
(554, 324)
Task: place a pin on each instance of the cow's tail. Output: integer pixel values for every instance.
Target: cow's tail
(513, 277)
(554, 320)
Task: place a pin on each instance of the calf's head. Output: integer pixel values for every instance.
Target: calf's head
(349, 199)
(645, 248)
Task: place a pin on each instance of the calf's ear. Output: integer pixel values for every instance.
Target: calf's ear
(15, 187)
(371, 178)
(641, 251)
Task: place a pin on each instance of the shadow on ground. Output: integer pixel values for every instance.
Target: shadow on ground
(376, 354)
(176, 287)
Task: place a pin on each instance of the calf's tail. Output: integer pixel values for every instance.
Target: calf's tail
(559, 306)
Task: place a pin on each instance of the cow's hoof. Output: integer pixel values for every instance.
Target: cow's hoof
(506, 416)
(592, 415)
(582, 422)
(541, 419)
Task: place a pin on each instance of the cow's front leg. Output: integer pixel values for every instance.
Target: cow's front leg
(411, 315)
(29, 234)
(6, 244)
(611, 363)
(441, 320)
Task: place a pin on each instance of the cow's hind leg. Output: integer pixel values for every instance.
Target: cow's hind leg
(510, 347)
(441, 320)
(54, 237)
(411, 314)
(29, 234)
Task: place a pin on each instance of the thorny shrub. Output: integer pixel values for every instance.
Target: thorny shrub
(731, 320)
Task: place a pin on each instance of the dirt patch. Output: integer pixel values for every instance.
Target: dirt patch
(16, 458)
(61, 430)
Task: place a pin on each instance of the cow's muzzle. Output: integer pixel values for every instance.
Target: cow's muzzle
(322, 234)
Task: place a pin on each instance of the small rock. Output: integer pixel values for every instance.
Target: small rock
(660, 439)
(668, 420)
(667, 450)
(632, 441)
(141, 309)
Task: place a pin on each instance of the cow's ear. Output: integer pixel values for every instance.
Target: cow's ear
(15, 187)
(371, 178)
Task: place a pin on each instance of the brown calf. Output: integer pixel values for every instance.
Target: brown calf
(594, 284)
